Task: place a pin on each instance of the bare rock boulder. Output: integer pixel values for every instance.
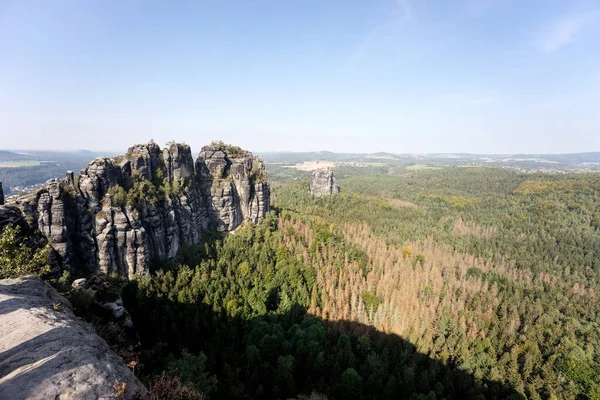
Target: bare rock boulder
(47, 353)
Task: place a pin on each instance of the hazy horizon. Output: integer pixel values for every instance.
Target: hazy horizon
(197, 150)
(404, 76)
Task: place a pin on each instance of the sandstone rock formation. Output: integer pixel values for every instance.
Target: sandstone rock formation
(47, 353)
(12, 216)
(95, 290)
(323, 183)
(121, 214)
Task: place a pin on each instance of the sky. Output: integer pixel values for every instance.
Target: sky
(402, 76)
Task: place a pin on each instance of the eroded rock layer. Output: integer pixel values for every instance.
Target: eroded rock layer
(121, 214)
(323, 183)
(48, 353)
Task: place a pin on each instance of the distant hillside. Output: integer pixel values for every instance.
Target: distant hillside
(292, 157)
(6, 155)
(577, 161)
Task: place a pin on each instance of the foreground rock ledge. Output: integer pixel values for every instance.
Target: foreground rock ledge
(47, 353)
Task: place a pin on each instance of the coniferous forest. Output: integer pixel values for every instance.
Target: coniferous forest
(432, 284)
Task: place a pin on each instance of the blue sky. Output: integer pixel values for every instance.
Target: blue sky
(485, 76)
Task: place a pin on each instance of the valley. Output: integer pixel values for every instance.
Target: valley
(438, 282)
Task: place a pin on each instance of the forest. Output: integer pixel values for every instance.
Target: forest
(424, 284)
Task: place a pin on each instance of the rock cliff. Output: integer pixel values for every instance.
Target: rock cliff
(1, 194)
(121, 214)
(47, 353)
(323, 183)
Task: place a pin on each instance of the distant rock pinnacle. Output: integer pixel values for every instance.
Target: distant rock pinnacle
(323, 183)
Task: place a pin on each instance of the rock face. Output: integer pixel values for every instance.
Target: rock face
(47, 353)
(95, 290)
(1, 194)
(121, 214)
(12, 216)
(323, 183)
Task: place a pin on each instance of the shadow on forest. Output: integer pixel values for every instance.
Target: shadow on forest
(285, 355)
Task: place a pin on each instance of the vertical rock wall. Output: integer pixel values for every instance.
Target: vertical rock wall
(323, 183)
(121, 214)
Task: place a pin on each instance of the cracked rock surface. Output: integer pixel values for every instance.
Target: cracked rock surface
(47, 353)
(121, 214)
(323, 183)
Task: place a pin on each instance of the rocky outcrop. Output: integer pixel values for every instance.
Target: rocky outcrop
(323, 183)
(97, 290)
(236, 185)
(121, 214)
(1, 194)
(48, 353)
(12, 216)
